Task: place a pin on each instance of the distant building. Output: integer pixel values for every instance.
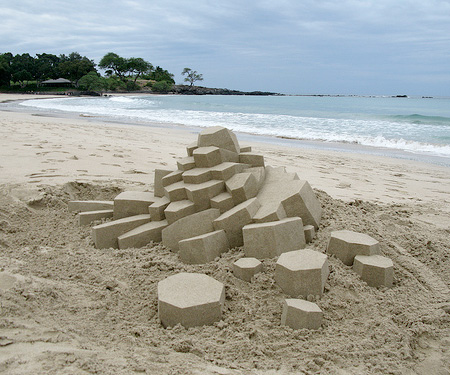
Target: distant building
(60, 82)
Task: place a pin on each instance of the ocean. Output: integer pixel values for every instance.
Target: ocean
(412, 128)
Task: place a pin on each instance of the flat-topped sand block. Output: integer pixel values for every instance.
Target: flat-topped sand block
(186, 163)
(242, 186)
(232, 221)
(201, 194)
(87, 217)
(142, 235)
(251, 158)
(269, 240)
(158, 187)
(191, 147)
(301, 314)
(172, 177)
(189, 226)
(156, 209)
(271, 211)
(130, 203)
(220, 137)
(206, 157)
(177, 210)
(222, 201)
(225, 171)
(105, 235)
(246, 149)
(346, 244)
(197, 175)
(302, 272)
(246, 268)
(190, 299)
(176, 191)
(204, 248)
(310, 233)
(375, 270)
(83, 206)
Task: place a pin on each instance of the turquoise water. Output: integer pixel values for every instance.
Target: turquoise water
(419, 126)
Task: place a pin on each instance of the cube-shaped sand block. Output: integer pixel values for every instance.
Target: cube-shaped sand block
(346, 245)
(142, 235)
(204, 248)
(302, 272)
(185, 164)
(235, 219)
(310, 233)
(206, 157)
(175, 192)
(269, 240)
(201, 194)
(156, 209)
(375, 270)
(190, 299)
(190, 148)
(105, 235)
(219, 137)
(83, 206)
(271, 211)
(242, 186)
(85, 218)
(197, 175)
(172, 177)
(179, 209)
(301, 314)
(189, 226)
(246, 268)
(254, 160)
(158, 187)
(225, 171)
(130, 203)
(223, 201)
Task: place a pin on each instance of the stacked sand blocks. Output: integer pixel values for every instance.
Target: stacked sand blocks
(220, 197)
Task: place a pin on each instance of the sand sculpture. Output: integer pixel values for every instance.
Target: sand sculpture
(223, 196)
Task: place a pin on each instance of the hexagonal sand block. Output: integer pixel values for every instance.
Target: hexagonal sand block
(177, 210)
(272, 211)
(185, 164)
(301, 314)
(242, 186)
(223, 201)
(190, 148)
(190, 299)
(229, 156)
(225, 171)
(197, 175)
(268, 240)
(172, 177)
(176, 191)
(204, 248)
(201, 194)
(85, 218)
(346, 245)
(375, 270)
(219, 137)
(83, 206)
(310, 233)
(189, 226)
(130, 203)
(156, 209)
(206, 157)
(246, 268)
(105, 235)
(302, 272)
(254, 160)
(142, 235)
(235, 219)
(158, 187)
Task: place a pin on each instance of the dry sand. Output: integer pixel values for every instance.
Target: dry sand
(69, 308)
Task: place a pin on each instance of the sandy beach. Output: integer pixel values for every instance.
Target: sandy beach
(70, 308)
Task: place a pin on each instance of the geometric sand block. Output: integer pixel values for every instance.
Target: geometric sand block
(375, 270)
(83, 206)
(259, 173)
(269, 240)
(346, 245)
(177, 210)
(87, 217)
(190, 148)
(232, 221)
(220, 137)
(206, 157)
(246, 149)
(271, 211)
(204, 248)
(185, 164)
(242, 186)
(176, 191)
(225, 171)
(105, 235)
(310, 233)
(156, 209)
(201, 194)
(301, 314)
(254, 160)
(189, 226)
(130, 203)
(190, 299)
(302, 272)
(171, 178)
(158, 188)
(279, 174)
(142, 235)
(222, 201)
(197, 175)
(246, 268)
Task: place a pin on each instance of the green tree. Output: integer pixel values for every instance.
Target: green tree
(23, 69)
(5, 68)
(160, 74)
(191, 76)
(137, 66)
(93, 82)
(162, 86)
(114, 64)
(75, 66)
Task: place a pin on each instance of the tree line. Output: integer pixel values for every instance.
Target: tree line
(120, 73)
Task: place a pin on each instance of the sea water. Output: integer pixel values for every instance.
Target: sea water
(418, 127)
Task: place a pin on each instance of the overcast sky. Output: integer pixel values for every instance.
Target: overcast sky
(291, 46)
